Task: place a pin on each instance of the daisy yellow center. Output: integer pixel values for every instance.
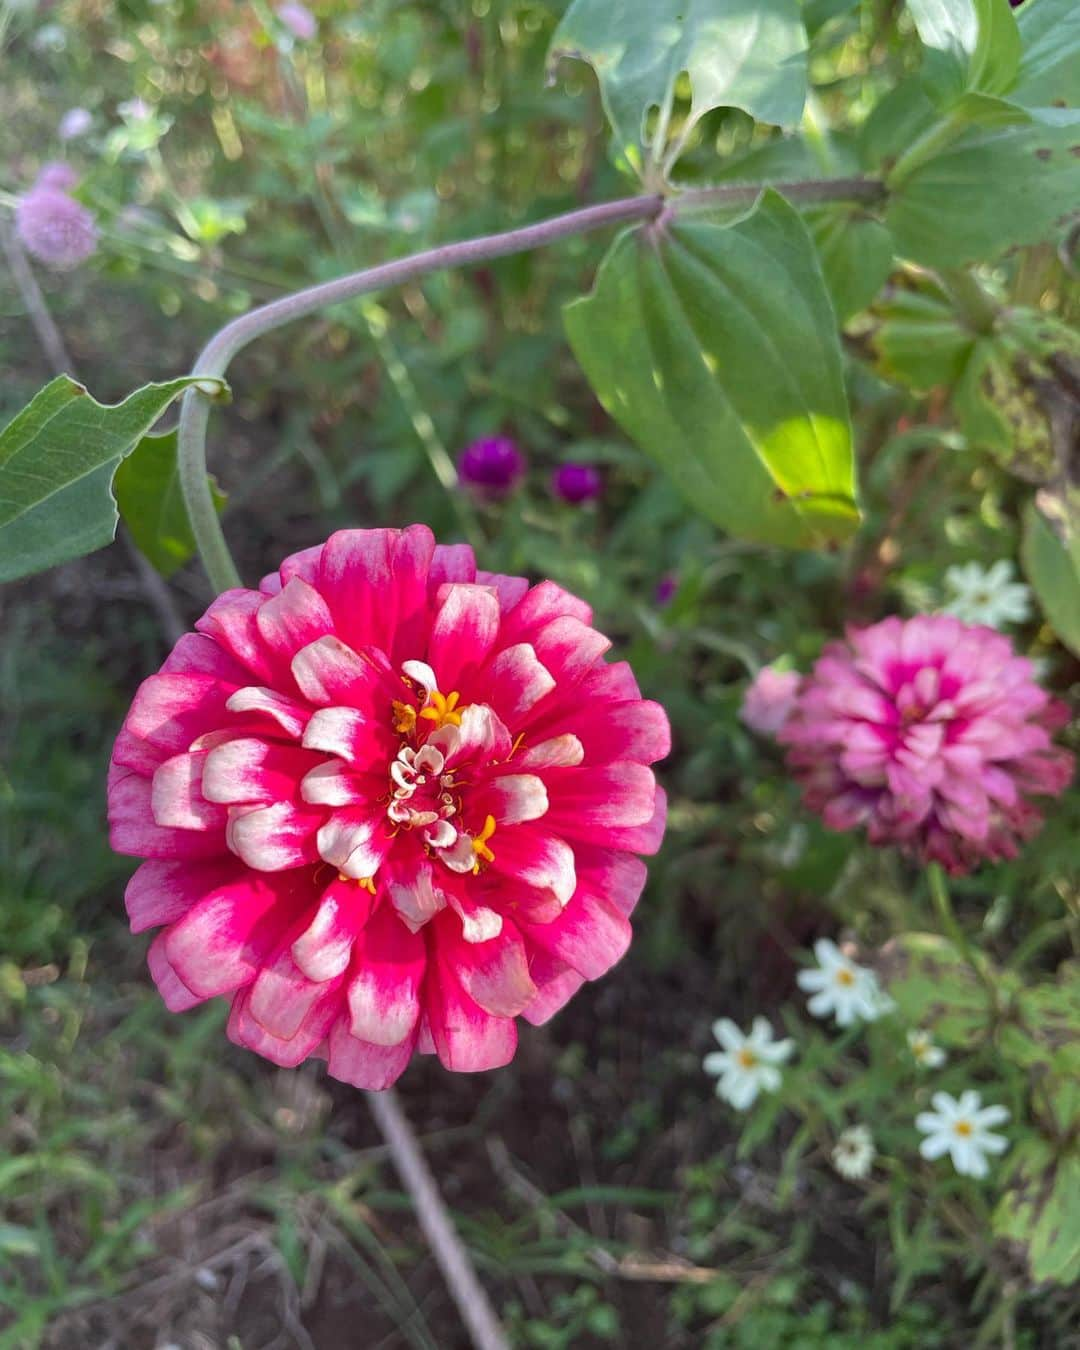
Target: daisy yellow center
(845, 978)
(963, 1129)
(746, 1058)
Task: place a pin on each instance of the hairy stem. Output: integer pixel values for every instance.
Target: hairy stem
(235, 336)
(472, 1303)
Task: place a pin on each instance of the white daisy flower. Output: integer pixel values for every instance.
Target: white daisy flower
(854, 1153)
(839, 987)
(989, 596)
(924, 1052)
(961, 1128)
(747, 1064)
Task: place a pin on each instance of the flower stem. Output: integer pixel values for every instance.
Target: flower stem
(235, 336)
(939, 893)
(457, 1268)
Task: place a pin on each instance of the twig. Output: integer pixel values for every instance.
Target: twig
(37, 311)
(449, 1251)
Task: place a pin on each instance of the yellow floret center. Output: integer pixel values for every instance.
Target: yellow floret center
(844, 977)
(746, 1058)
(963, 1129)
(442, 709)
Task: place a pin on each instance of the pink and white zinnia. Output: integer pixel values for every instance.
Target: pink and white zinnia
(933, 734)
(388, 803)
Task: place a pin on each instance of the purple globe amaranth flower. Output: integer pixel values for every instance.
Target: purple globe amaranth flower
(298, 19)
(577, 483)
(492, 466)
(665, 589)
(770, 700)
(55, 228)
(934, 735)
(74, 123)
(56, 174)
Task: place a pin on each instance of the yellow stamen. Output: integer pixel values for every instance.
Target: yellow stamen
(404, 718)
(747, 1059)
(963, 1128)
(442, 709)
(844, 977)
(365, 883)
(479, 844)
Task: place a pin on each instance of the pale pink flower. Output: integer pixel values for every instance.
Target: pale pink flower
(389, 803)
(769, 700)
(55, 228)
(298, 19)
(74, 123)
(56, 174)
(931, 733)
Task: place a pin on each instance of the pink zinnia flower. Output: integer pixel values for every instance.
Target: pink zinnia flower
(770, 700)
(389, 803)
(55, 228)
(931, 733)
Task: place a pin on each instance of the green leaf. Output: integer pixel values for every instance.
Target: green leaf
(856, 255)
(934, 987)
(1055, 577)
(817, 13)
(1044, 1032)
(147, 490)
(715, 347)
(972, 45)
(1050, 64)
(1041, 1209)
(57, 461)
(989, 191)
(921, 342)
(749, 56)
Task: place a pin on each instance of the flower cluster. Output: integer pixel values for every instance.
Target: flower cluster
(494, 467)
(52, 226)
(388, 803)
(933, 735)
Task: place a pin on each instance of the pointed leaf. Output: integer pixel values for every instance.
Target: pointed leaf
(715, 347)
(972, 45)
(57, 461)
(1054, 576)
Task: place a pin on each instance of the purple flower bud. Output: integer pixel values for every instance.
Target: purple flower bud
(494, 466)
(577, 483)
(298, 19)
(665, 589)
(55, 228)
(57, 174)
(74, 123)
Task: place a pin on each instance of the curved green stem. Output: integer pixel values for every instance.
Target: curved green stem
(939, 893)
(235, 336)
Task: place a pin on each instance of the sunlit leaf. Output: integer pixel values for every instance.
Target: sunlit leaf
(1054, 575)
(1039, 1209)
(1050, 64)
(972, 45)
(748, 54)
(715, 347)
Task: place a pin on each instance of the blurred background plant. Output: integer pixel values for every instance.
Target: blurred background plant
(158, 1186)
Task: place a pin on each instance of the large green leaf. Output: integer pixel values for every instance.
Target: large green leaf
(1040, 1208)
(991, 190)
(147, 490)
(1055, 577)
(748, 54)
(972, 45)
(715, 347)
(57, 461)
(1050, 64)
